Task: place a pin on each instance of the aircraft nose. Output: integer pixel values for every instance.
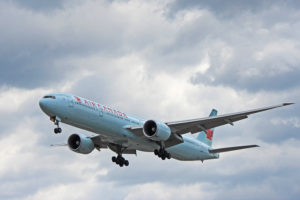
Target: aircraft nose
(46, 106)
(42, 104)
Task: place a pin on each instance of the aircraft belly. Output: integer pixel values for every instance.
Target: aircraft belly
(183, 152)
(188, 152)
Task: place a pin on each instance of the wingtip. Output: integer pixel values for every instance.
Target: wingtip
(286, 104)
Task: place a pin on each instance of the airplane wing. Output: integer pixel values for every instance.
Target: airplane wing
(99, 141)
(202, 124)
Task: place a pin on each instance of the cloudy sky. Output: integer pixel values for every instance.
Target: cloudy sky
(167, 60)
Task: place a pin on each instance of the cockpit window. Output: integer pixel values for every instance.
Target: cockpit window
(49, 97)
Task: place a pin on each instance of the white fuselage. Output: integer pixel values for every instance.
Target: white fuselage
(111, 123)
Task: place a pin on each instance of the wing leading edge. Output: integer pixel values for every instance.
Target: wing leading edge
(202, 124)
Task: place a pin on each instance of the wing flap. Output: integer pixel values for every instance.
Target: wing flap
(205, 124)
(173, 140)
(138, 130)
(129, 151)
(115, 148)
(99, 141)
(226, 149)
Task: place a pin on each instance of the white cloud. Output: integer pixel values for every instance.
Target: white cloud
(161, 191)
(11, 99)
(294, 121)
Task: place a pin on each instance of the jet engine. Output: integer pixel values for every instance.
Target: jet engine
(80, 144)
(157, 131)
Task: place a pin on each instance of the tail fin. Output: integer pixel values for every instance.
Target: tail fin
(206, 137)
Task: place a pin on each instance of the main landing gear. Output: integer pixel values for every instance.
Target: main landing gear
(56, 122)
(120, 160)
(162, 153)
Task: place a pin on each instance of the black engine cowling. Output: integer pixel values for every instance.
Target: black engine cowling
(157, 131)
(80, 144)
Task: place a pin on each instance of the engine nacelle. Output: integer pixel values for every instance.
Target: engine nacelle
(157, 131)
(80, 144)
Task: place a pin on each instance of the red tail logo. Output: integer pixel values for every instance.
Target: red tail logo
(77, 99)
(209, 134)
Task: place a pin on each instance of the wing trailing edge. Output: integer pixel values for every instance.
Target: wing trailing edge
(226, 149)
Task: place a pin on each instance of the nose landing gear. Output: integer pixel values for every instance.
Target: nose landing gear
(56, 121)
(57, 130)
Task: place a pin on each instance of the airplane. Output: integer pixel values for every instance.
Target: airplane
(126, 134)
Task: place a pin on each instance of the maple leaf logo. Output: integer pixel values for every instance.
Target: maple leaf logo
(78, 99)
(209, 134)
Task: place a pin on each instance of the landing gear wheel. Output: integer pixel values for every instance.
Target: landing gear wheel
(57, 130)
(126, 163)
(162, 153)
(168, 155)
(119, 160)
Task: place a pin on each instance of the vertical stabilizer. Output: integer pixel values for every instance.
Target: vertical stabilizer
(207, 137)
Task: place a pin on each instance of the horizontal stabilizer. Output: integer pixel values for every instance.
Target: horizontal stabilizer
(221, 150)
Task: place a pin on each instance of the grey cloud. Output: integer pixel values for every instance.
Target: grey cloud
(229, 9)
(47, 41)
(264, 81)
(39, 5)
(33, 44)
(185, 174)
(234, 46)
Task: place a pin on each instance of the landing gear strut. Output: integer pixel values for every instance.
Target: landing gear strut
(56, 122)
(162, 153)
